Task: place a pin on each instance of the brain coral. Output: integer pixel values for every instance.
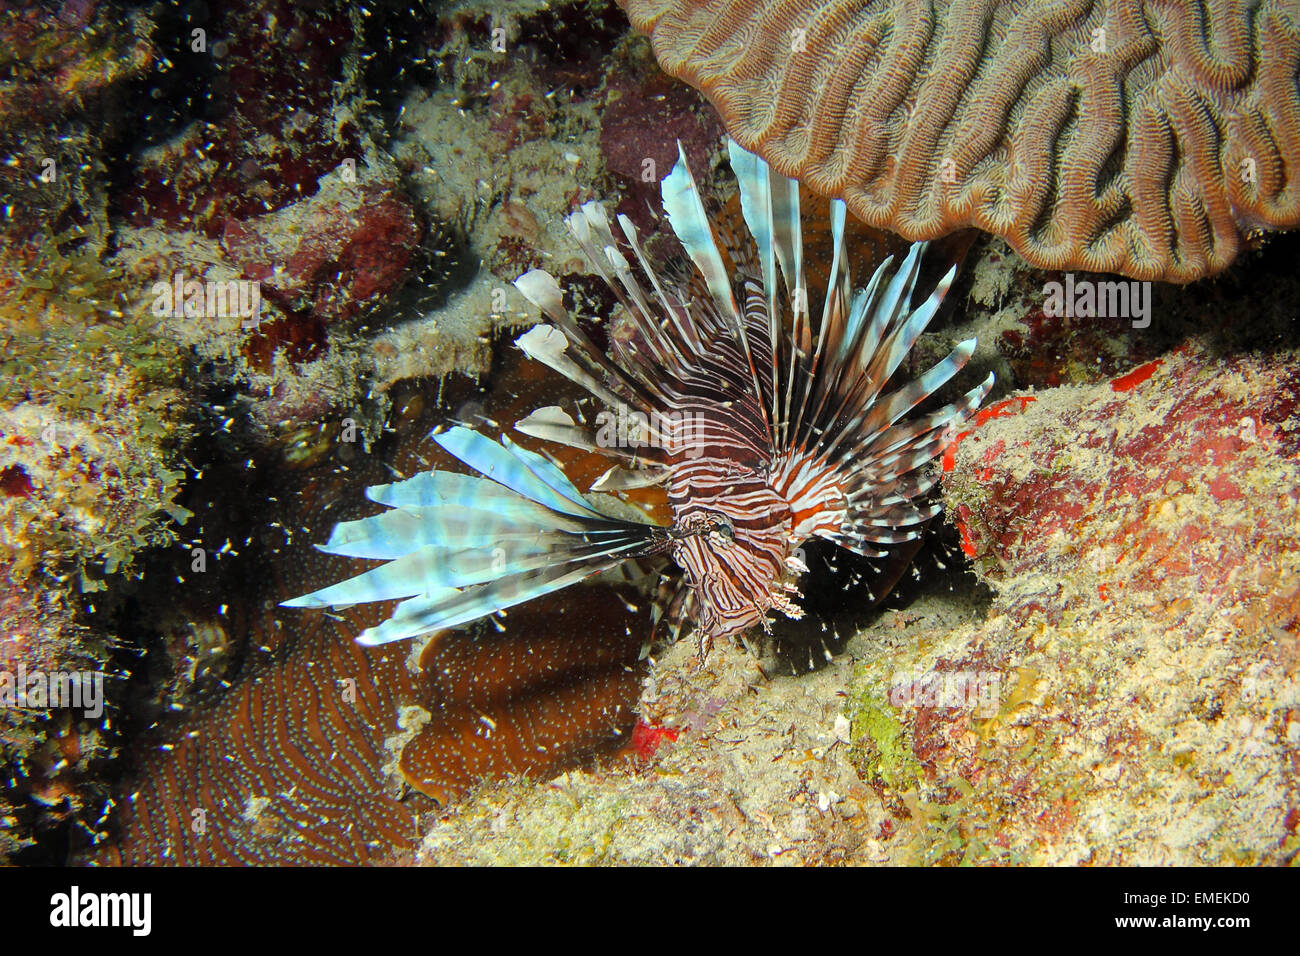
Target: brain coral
(1142, 137)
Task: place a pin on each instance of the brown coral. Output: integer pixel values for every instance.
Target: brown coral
(306, 755)
(537, 698)
(1135, 136)
(299, 762)
(287, 768)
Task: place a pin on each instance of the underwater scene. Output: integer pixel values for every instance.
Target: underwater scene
(652, 432)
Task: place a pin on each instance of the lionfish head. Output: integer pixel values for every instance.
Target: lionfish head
(733, 564)
(766, 421)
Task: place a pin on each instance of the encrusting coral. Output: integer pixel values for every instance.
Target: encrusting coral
(1135, 137)
(307, 753)
(1127, 694)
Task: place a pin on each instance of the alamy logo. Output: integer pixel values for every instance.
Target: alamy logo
(76, 908)
(977, 691)
(1085, 298)
(183, 298)
(46, 690)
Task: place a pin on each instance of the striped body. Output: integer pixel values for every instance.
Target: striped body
(765, 424)
(738, 572)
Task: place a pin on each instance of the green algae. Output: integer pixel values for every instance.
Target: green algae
(881, 745)
(95, 412)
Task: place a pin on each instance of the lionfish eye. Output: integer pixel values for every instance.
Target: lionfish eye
(721, 524)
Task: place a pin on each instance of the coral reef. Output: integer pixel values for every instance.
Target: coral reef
(1127, 694)
(304, 759)
(283, 741)
(226, 145)
(1113, 682)
(333, 255)
(100, 392)
(92, 421)
(1030, 348)
(758, 771)
(1193, 434)
(287, 767)
(536, 699)
(278, 184)
(54, 65)
(1141, 536)
(1141, 138)
(643, 117)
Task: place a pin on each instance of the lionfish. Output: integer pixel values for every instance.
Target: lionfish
(765, 427)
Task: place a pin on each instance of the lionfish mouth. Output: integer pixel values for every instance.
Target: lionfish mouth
(717, 527)
(771, 427)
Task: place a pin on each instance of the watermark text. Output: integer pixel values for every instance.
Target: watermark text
(1085, 298)
(49, 690)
